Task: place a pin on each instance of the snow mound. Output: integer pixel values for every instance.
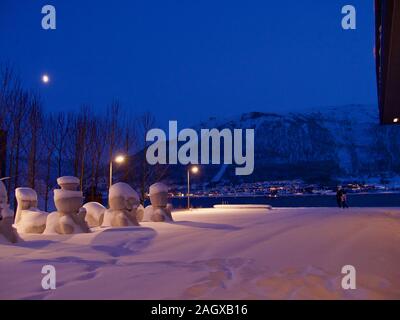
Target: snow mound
(158, 187)
(94, 213)
(26, 194)
(122, 189)
(52, 223)
(56, 224)
(31, 221)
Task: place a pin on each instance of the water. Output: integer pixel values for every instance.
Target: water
(354, 200)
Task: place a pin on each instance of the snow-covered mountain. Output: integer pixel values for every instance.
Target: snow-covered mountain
(319, 145)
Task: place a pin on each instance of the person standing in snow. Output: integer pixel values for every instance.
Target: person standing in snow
(339, 194)
(344, 200)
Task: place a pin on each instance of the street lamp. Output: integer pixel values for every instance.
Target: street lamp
(117, 159)
(194, 170)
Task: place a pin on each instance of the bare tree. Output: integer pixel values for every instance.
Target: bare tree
(19, 103)
(35, 121)
(97, 134)
(148, 173)
(6, 78)
(48, 150)
(113, 129)
(62, 125)
(130, 144)
(81, 125)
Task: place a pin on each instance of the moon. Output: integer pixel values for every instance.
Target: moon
(45, 78)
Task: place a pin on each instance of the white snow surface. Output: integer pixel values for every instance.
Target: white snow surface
(242, 206)
(249, 253)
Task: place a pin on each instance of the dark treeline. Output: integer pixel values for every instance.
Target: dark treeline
(36, 147)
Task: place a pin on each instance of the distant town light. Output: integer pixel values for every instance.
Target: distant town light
(396, 120)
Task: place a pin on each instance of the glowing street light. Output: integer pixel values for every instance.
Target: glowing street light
(118, 159)
(194, 170)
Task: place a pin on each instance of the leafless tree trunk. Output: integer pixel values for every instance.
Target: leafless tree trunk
(81, 140)
(35, 125)
(49, 146)
(97, 134)
(113, 130)
(62, 125)
(129, 144)
(6, 78)
(20, 105)
(146, 122)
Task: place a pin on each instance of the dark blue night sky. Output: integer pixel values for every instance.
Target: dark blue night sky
(188, 60)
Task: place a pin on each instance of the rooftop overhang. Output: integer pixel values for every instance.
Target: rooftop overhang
(387, 52)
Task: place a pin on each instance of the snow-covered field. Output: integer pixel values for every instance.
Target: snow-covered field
(216, 254)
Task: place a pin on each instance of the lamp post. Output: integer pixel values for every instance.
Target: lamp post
(194, 170)
(117, 159)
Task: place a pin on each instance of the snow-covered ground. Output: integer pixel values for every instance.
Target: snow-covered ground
(216, 254)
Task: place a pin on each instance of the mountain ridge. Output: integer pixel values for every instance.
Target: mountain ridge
(318, 145)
